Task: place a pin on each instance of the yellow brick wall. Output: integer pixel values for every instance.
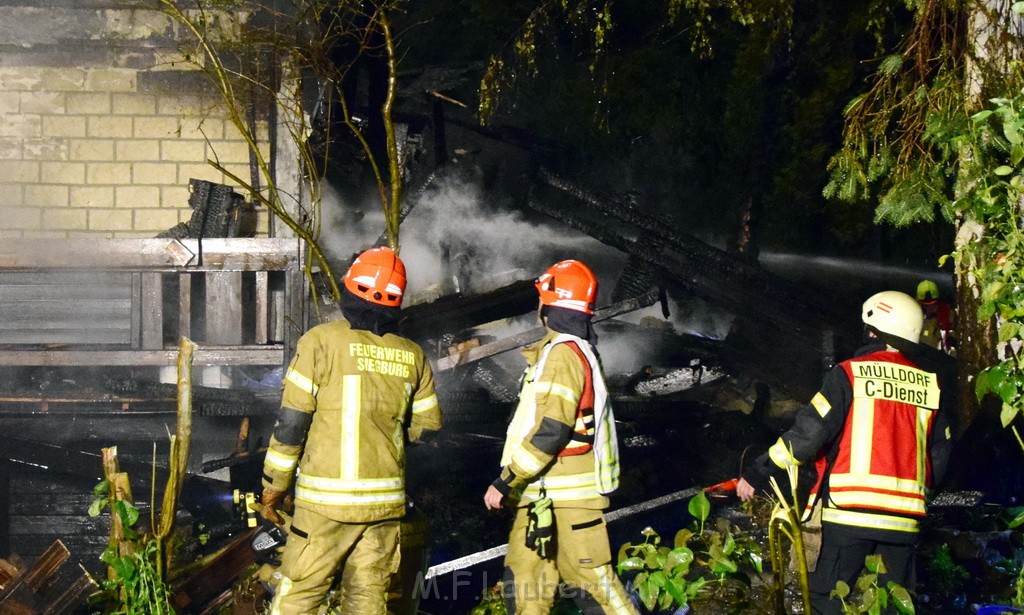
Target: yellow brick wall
(85, 152)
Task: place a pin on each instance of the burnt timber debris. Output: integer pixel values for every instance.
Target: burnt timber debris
(51, 585)
(159, 289)
(772, 314)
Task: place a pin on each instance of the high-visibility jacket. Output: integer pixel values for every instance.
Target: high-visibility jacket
(351, 400)
(878, 441)
(562, 435)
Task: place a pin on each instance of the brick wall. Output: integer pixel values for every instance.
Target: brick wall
(102, 142)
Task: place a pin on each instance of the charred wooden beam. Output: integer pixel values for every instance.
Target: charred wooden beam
(455, 313)
(5, 509)
(206, 582)
(46, 456)
(46, 587)
(712, 273)
(774, 319)
(535, 334)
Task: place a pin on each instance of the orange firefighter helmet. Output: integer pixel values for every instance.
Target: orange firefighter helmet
(570, 285)
(378, 276)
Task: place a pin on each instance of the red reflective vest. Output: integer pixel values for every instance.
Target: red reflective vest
(882, 469)
(582, 438)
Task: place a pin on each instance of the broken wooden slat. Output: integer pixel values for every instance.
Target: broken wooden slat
(72, 597)
(18, 592)
(535, 334)
(207, 582)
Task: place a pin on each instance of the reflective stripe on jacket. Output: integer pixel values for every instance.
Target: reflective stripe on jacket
(351, 400)
(881, 471)
(875, 433)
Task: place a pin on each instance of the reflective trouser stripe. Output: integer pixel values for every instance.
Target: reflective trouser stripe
(616, 594)
(282, 590)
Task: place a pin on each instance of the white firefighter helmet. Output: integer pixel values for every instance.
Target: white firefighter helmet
(894, 313)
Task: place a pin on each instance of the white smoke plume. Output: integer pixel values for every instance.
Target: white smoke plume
(454, 241)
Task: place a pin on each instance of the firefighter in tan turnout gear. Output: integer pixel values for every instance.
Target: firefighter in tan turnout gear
(353, 395)
(560, 460)
(879, 442)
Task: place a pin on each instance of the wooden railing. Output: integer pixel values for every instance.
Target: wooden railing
(128, 301)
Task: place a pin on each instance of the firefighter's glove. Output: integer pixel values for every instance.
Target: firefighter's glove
(268, 505)
(540, 528)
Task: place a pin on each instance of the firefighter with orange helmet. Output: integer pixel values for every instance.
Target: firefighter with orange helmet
(879, 442)
(354, 394)
(560, 460)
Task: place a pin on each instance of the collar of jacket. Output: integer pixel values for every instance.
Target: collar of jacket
(873, 347)
(532, 352)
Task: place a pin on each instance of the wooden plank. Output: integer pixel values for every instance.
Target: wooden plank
(65, 525)
(535, 334)
(6, 505)
(73, 597)
(262, 307)
(185, 305)
(152, 307)
(117, 337)
(206, 355)
(224, 308)
(36, 575)
(294, 316)
(235, 254)
(135, 318)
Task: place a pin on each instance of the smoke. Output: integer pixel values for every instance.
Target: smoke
(627, 351)
(455, 241)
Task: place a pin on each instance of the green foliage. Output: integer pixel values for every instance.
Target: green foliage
(491, 603)
(673, 577)
(915, 141)
(993, 188)
(945, 576)
(591, 24)
(867, 596)
(137, 586)
(663, 576)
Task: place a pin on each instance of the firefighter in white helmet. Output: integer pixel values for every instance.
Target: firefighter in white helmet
(354, 394)
(879, 442)
(560, 460)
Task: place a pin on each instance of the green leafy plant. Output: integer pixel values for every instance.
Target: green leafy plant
(699, 560)
(996, 188)
(491, 603)
(138, 586)
(945, 576)
(868, 597)
(661, 573)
